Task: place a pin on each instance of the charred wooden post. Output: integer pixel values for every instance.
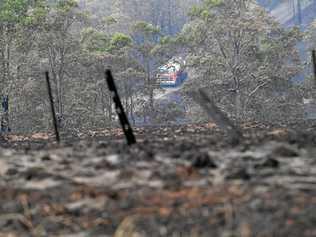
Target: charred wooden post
(217, 115)
(51, 100)
(127, 129)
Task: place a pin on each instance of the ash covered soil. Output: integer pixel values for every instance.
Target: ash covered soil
(177, 181)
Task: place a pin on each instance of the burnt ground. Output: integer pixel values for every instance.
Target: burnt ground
(177, 181)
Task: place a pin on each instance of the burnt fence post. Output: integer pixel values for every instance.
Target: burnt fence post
(127, 129)
(51, 100)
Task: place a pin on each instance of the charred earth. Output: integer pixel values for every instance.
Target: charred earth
(176, 181)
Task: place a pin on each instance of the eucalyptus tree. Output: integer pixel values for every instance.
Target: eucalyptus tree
(17, 18)
(146, 37)
(111, 51)
(19, 23)
(59, 45)
(237, 45)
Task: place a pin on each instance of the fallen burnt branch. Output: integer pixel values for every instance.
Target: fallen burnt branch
(217, 115)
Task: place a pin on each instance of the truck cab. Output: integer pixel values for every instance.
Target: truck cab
(171, 74)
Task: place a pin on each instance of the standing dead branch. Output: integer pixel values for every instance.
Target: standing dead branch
(217, 115)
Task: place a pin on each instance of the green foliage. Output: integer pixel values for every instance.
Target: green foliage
(13, 11)
(94, 41)
(119, 41)
(109, 20)
(236, 43)
(145, 28)
(37, 14)
(66, 5)
(97, 42)
(166, 40)
(22, 11)
(37, 35)
(196, 10)
(213, 3)
(166, 48)
(203, 10)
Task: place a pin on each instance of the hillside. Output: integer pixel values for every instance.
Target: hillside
(152, 118)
